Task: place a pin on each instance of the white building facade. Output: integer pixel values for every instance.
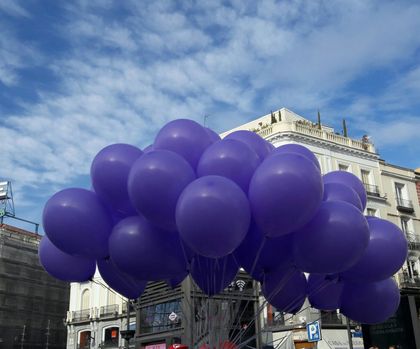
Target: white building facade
(391, 194)
(97, 315)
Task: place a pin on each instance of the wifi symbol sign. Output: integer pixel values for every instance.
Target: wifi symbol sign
(240, 284)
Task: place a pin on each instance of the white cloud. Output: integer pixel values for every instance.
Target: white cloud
(12, 7)
(123, 77)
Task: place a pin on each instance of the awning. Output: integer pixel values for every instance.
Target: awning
(338, 339)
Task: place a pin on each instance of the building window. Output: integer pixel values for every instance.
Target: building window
(84, 340)
(406, 225)
(155, 318)
(111, 297)
(371, 212)
(343, 167)
(399, 191)
(365, 177)
(111, 336)
(85, 300)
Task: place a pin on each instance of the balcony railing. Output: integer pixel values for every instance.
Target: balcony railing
(372, 190)
(406, 281)
(269, 130)
(108, 310)
(81, 315)
(405, 205)
(413, 240)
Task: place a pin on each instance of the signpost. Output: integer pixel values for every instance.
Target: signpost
(173, 316)
(314, 331)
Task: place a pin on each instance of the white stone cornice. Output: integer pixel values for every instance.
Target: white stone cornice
(302, 138)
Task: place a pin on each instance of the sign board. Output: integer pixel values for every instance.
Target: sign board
(156, 346)
(314, 331)
(172, 316)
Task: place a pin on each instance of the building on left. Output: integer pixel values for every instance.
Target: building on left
(33, 304)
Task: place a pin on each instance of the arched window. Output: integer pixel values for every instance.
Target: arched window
(111, 297)
(85, 299)
(111, 336)
(84, 339)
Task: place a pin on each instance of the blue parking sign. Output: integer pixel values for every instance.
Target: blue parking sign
(314, 331)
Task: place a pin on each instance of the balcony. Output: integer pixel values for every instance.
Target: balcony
(267, 131)
(405, 205)
(407, 282)
(372, 190)
(109, 311)
(81, 315)
(413, 241)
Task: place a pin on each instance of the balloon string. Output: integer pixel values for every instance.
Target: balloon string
(257, 256)
(295, 301)
(254, 264)
(277, 289)
(187, 262)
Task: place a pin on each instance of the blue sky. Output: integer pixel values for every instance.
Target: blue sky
(76, 76)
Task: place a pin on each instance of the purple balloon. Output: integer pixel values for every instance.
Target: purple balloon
(384, 256)
(213, 216)
(258, 254)
(109, 173)
(214, 137)
(155, 183)
(298, 149)
(341, 192)
(253, 140)
(324, 292)
(120, 282)
(144, 251)
(350, 180)
(285, 193)
(77, 222)
(63, 266)
(370, 302)
(229, 158)
(185, 137)
(177, 280)
(213, 275)
(148, 149)
(285, 289)
(333, 240)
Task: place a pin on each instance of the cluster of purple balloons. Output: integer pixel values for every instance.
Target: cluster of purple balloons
(192, 203)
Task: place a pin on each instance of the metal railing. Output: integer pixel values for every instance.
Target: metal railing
(404, 203)
(413, 240)
(81, 315)
(406, 281)
(108, 310)
(372, 190)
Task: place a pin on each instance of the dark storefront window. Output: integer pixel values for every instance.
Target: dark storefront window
(111, 337)
(155, 318)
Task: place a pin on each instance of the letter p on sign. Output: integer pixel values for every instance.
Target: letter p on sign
(314, 331)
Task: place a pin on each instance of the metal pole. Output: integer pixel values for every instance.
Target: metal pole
(23, 336)
(349, 333)
(48, 335)
(127, 341)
